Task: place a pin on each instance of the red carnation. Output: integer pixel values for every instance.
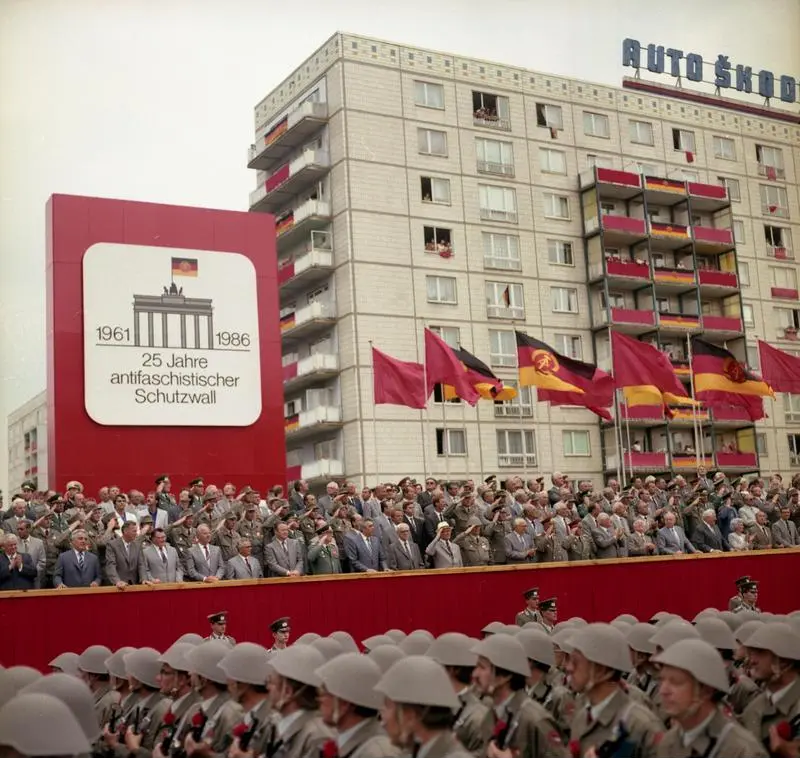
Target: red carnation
(574, 748)
(198, 719)
(499, 728)
(330, 749)
(239, 730)
(169, 718)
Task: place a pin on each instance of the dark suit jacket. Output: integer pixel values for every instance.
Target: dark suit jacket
(122, 566)
(68, 573)
(706, 541)
(360, 557)
(417, 530)
(17, 579)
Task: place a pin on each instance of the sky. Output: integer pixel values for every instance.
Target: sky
(153, 99)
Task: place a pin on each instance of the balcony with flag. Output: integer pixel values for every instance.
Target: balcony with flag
(714, 283)
(661, 191)
(683, 463)
(638, 462)
(669, 236)
(313, 413)
(295, 224)
(672, 321)
(627, 312)
(299, 373)
(290, 179)
(307, 265)
(276, 141)
(308, 321)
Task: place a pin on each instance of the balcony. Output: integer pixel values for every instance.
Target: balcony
(681, 368)
(319, 419)
(669, 236)
(642, 415)
(688, 416)
(773, 173)
(289, 180)
(307, 321)
(723, 327)
(718, 283)
(691, 461)
(730, 417)
(310, 370)
(307, 217)
(516, 460)
(678, 323)
(736, 462)
(639, 462)
(621, 185)
(625, 275)
(308, 268)
(708, 197)
(783, 293)
(287, 135)
(628, 320)
(322, 470)
(621, 231)
(674, 280)
(780, 253)
(774, 211)
(661, 191)
(707, 239)
(512, 312)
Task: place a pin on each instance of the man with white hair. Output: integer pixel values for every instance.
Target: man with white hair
(639, 543)
(707, 537)
(519, 543)
(326, 502)
(609, 542)
(17, 513)
(17, 571)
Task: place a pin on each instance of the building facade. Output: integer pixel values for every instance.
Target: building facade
(416, 189)
(27, 443)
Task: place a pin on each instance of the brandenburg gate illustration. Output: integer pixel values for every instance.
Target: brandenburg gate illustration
(185, 322)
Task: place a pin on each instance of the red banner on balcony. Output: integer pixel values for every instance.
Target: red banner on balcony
(718, 278)
(277, 178)
(612, 176)
(673, 276)
(614, 223)
(285, 272)
(722, 324)
(668, 230)
(632, 269)
(289, 371)
(737, 460)
(712, 235)
(631, 316)
(711, 191)
(646, 461)
(658, 184)
(784, 293)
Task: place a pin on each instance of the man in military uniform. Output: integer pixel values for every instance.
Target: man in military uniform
(692, 677)
(175, 680)
(323, 553)
(548, 612)
(749, 596)
(349, 704)
(93, 671)
(181, 534)
(475, 548)
(736, 601)
(251, 528)
(281, 629)
(226, 537)
(531, 612)
(219, 622)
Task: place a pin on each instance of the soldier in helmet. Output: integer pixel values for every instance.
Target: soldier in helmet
(247, 670)
(281, 630)
(118, 676)
(177, 684)
(349, 704)
(693, 679)
(293, 683)
(749, 595)
(531, 610)
(598, 659)
(521, 725)
(418, 708)
(643, 674)
(473, 724)
(219, 625)
(93, 671)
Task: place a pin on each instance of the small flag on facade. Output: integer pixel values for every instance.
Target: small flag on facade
(689, 156)
(184, 266)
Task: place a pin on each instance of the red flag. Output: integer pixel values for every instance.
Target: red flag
(553, 133)
(772, 174)
(442, 366)
(397, 382)
(772, 208)
(689, 156)
(779, 370)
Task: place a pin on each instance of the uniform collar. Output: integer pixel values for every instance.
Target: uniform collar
(344, 737)
(690, 735)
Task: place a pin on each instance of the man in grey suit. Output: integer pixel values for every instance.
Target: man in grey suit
(608, 542)
(403, 553)
(671, 539)
(442, 552)
(160, 563)
(243, 565)
(122, 557)
(784, 531)
(519, 543)
(284, 555)
(204, 561)
(364, 549)
(77, 567)
(34, 547)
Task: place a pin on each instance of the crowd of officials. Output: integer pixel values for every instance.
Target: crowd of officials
(206, 533)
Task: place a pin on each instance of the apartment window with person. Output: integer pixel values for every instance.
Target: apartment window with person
(429, 95)
(732, 185)
(549, 115)
(682, 139)
(559, 252)
(521, 405)
(568, 344)
(504, 300)
(501, 251)
(490, 110)
(435, 190)
(642, 133)
(552, 161)
(432, 142)
(494, 156)
(793, 442)
(564, 299)
(438, 240)
(596, 124)
(451, 335)
(516, 448)
(451, 442)
(779, 241)
(441, 289)
(774, 201)
(770, 162)
(724, 148)
(556, 206)
(576, 443)
(502, 348)
(497, 203)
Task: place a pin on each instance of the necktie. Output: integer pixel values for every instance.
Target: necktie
(25, 546)
(448, 549)
(439, 514)
(247, 564)
(675, 534)
(407, 550)
(285, 549)
(205, 550)
(369, 547)
(163, 556)
(80, 561)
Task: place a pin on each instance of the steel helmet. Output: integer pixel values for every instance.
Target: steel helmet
(418, 680)
(716, 633)
(175, 656)
(627, 618)
(386, 656)
(247, 663)
(672, 631)
(93, 659)
(345, 639)
(352, 677)
(75, 694)
(604, 645)
(143, 664)
(398, 635)
(329, 648)
(204, 660)
(22, 676)
(299, 664)
(21, 727)
(732, 619)
(699, 659)
(504, 652)
(706, 613)
(745, 630)
(422, 633)
(538, 646)
(307, 638)
(412, 645)
(115, 663)
(377, 639)
(493, 627)
(66, 662)
(639, 638)
(780, 639)
(191, 637)
(453, 649)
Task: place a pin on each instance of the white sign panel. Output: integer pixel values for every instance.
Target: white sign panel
(170, 337)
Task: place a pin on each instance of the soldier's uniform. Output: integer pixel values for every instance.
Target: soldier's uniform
(181, 537)
(322, 558)
(174, 723)
(475, 548)
(51, 539)
(279, 626)
(144, 666)
(220, 618)
(546, 605)
(226, 537)
(530, 613)
(252, 530)
(93, 661)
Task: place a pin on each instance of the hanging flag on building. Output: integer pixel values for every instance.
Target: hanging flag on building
(184, 266)
(721, 380)
(482, 379)
(689, 156)
(560, 380)
(396, 382)
(442, 366)
(506, 296)
(780, 370)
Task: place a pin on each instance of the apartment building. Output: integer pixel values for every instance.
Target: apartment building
(417, 189)
(27, 443)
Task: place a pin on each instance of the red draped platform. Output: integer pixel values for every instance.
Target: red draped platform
(38, 625)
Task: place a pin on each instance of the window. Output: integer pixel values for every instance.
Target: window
(662, 304)
(559, 252)
(555, 206)
(521, 404)
(516, 448)
(738, 231)
(615, 300)
(648, 169)
(495, 157)
(743, 268)
(451, 442)
(564, 299)
(438, 395)
(793, 441)
(641, 132)
(783, 278)
(549, 115)
(326, 450)
(724, 148)
(774, 201)
(732, 185)
(435, 190)
(683, 140)
(490, 110)
(761, 444)
(568, 344)
(690, 175)
(599, 161)
(791, 407)
(432, 142)
(429, 95)
(441, 289)
(438, 240)
(497, 203)
(576, 443)
(779, 241)
(504, 300)
(595, 124)
(552, 161)
(752, 357)
(502, 348)
(748, 316)
(449, 334)
(606, 208)
(770, 162)
(786, 318)
(501, 251)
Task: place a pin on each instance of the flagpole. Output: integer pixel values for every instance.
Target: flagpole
(445, 438)
(425, 418)
(374, 420)
(521, 419)
(696, 425)
(617, 430)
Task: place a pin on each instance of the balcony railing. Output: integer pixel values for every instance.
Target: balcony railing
(515, 312)
(492, 167)
(783, 293)
(308, 215)
(712, 278)
(639, 461)
(325, 468)
(516, 460)
(288, 134)
(771, 172)
(321, 416)
(673, 235)
(722, 324)
(674, 277)
(623, 225)
(711, 239)
(315, 313)
(492, 214)
(632, 316)
(484, 118)
(691, 461)
(746, 461)
(780, 253)
(661, 184)
(678, 321)
(310, 366)
(293, 270)
(777, 211)
(627, 269)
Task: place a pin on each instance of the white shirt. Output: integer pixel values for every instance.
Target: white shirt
(778, 694)
(690, 735)
(285, 724)
(596, 710)
(343, 737)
